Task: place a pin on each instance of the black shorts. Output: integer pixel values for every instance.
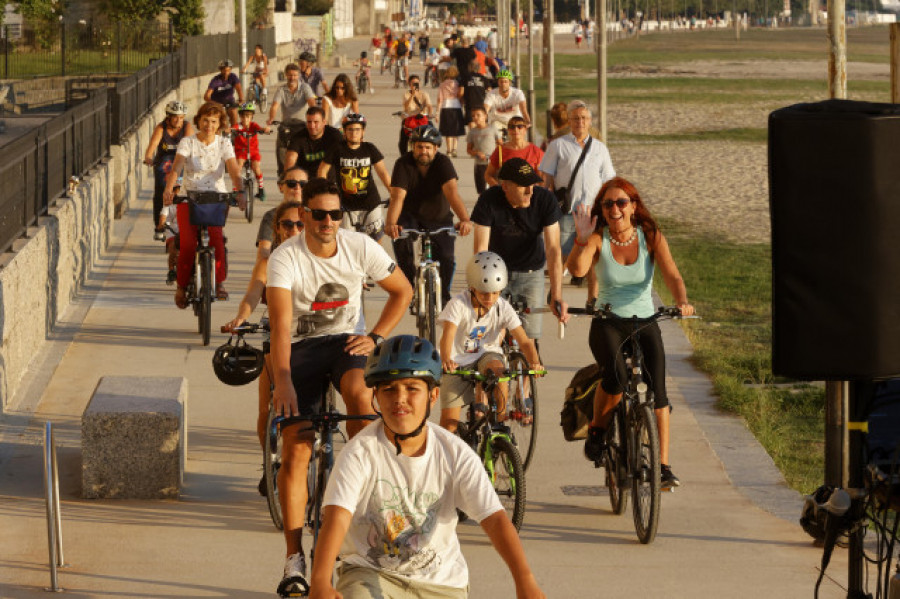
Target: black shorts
(314, 359)
(607, 336)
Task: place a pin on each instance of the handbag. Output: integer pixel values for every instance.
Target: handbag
(563, 197)
(578, 405)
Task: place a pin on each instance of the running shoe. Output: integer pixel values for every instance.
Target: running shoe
(667, 478)
(595, 444)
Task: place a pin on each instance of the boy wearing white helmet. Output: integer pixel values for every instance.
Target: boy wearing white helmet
(474, 323)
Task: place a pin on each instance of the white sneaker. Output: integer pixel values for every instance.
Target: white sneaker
(295, 565)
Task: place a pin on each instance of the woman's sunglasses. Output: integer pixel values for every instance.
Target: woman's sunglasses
(621, 203)
(293, 183)
(319, 214)
(291, 224)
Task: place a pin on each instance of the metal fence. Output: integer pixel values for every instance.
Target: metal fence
(201, 54)
(87, 47)
(130, 98)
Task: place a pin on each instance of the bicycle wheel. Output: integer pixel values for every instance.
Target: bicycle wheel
(614, 465)
(645, 485)
(508, 477)
(522, 407)
(322, 474)
(271, 465)
(250, 184)
(206, 293)
(429, 319)
(263, 99)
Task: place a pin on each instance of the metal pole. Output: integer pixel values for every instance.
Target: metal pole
(532, 108)
(118, 46)
(62, 47)
(601, 68)
(50, 485)
(6, 52)
(550, 19)
(517, 48)
(545, 32)
(243, 77)
(895, 62)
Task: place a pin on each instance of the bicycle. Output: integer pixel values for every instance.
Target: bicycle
(257, 93)
(631, 456)
(362, 80)
(249, 183)
(426, 304)
(494, 442)
(325, 425)
(397, 67)
(208, 209)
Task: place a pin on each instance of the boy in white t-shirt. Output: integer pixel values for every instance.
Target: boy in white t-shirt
(394, 491)
(474, 323)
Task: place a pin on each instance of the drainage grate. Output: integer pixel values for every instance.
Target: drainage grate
(583, 490)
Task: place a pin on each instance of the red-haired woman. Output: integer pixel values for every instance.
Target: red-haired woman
(622, 242)
(205, 158)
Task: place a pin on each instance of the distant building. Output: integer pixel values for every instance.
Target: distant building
(12, 22)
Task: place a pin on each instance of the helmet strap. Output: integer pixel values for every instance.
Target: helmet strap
(403, 437)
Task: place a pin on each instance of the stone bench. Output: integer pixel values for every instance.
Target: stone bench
(133, 438)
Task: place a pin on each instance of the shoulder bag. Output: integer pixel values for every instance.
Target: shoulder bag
(563, 196)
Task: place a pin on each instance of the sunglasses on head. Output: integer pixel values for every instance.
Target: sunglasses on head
(292, 183)
(319, 214)
(291, 224)
(621, 203)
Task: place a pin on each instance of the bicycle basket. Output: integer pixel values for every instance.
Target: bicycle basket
(209, 210)
(578, 406)
(411, 123)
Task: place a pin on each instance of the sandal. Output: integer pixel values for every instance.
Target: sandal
(221, 294)
(181, 299)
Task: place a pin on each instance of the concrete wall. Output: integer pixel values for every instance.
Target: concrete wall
(42, 274)
(219, 17)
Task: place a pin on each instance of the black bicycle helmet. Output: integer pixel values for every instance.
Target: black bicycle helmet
(354, 117)
(308, 56)
(401, 357)
(427, 133)
(238, 364)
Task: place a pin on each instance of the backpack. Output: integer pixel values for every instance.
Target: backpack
(411, 123)
(578, 405)
(402, 48)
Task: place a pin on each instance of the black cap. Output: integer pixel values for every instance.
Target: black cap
(519, 172)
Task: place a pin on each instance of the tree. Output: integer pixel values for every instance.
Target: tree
(44, 16)
(187, 16)
(132, 10)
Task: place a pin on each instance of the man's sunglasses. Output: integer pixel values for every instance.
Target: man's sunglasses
(293, 183)
(291, 224)
(621, 203)
(319, 214)
(516, 127)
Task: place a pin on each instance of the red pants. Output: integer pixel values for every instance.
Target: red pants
(188, 234)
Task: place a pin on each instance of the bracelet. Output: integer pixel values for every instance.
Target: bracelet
(580, 244)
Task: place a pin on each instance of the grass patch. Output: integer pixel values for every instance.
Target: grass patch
(745, 135)
(730, 285)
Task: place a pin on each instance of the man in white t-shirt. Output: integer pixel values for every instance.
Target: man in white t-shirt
(506, 101)
(313, 292)
(394, 491)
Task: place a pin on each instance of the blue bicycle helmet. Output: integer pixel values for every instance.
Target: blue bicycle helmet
(427, 133)
(402, 357)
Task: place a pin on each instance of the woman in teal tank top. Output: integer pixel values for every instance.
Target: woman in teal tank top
(624, 245)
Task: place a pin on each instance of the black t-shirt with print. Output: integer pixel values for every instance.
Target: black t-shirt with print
(353, 169)
(475, 88)
(425, 199)
(310, 152)
(517, 234)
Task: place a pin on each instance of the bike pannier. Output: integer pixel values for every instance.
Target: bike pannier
(578, 406)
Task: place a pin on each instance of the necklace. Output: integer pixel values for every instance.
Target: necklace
(623, 244)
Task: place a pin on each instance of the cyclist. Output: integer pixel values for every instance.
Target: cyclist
(520, 221)
(365, 69)
(161, 152)
(260, 63)
(204, 156)
(308, 147)
(622, 242)
(311, 74)
(294, 98)
(429, 181)
(168, 224)
(340, 101)
(313, 292)
(353, 161)
(397, 515)
(277, 225)
(474, 323)
(248, 148)
(505, 101)
(402, 51)
(222, 89)
(517, 146)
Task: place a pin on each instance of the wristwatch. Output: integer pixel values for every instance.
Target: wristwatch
(376, 338)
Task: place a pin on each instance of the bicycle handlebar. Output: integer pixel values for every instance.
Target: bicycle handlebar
(318, 420)
(507, 374)
(247, 327)
(405, 233)
(662, 313)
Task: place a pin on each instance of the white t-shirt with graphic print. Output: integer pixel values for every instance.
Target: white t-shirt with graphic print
(404, 508)
(475, 336)
(326, 291)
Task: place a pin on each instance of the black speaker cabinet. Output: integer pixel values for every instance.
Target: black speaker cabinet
(834, 193)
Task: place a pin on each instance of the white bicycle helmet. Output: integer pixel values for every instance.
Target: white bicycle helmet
(176, 108)
(486, 272)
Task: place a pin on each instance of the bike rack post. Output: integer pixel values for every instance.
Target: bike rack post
(54, 518)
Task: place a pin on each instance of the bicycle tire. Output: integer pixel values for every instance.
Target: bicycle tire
(614, 466)
(645, 469)
(262, 98)
(522, 407)
(322, 475)
(508, 478)
(250, 184)
(206, 293)
(429, 319)
(271, 465)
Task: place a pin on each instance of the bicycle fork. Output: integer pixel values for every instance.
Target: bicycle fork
(489, 462)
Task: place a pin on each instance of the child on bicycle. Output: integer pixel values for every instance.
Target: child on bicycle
(168, 226)
(365, 66)
(248, 148)
(474, 324)
(398, 514)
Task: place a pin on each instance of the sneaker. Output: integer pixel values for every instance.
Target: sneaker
(294, 583)
(261, 195)
(667, 478)
(171, 276)
(595, 444)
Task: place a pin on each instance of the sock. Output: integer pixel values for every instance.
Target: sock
(259, 178)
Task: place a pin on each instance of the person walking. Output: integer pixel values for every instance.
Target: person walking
(450, 115)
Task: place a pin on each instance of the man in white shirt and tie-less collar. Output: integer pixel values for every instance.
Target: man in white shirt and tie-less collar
(557, 167)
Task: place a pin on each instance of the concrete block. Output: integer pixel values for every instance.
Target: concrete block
(133, 439)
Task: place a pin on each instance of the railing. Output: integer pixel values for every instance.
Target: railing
(130, 98)
(54, 516)
(200, 54)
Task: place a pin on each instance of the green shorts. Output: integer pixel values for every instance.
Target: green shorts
(457, 392)
(359, 582)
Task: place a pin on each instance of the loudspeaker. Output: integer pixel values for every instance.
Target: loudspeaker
(834, 197)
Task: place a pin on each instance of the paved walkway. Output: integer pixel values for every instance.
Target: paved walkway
(717, 537)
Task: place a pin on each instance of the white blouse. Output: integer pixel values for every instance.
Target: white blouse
(204, 165)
